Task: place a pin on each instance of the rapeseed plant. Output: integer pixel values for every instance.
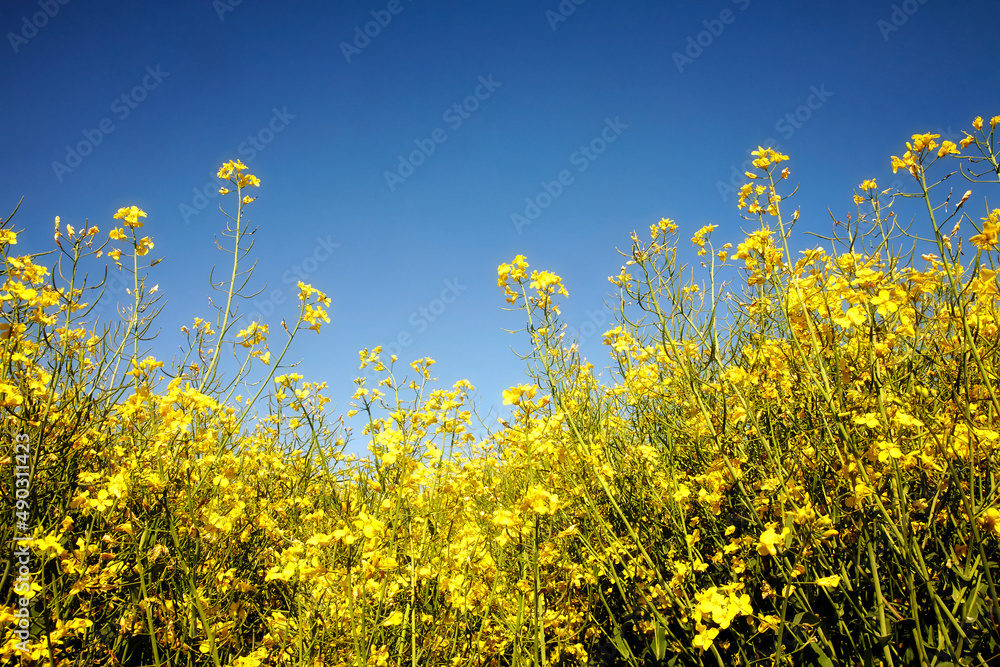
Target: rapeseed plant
(804, 473)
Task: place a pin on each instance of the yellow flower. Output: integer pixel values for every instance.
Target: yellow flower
(988, 237)
(395, 618)
(49, 543)
(994, 121)
(833, 581)
(253, 660)
(948, 148)
(923, 141)
(767, 156)
(906, 162)
(227, 169)
(770, 541)
(547, 283)
(665, 225)
(305, 291)
(991, 520)
(699, 236)
(703, 640)
(117, 234)
(143, 246)
(246, 180)
(978, 123)
(514, 395)
(130, 215)
(505, 519)
(516, 270)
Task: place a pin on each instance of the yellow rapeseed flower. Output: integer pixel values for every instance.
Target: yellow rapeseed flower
(770, 541)
(130, 215)
(227, 169)
(991, 521)
(988, 237)
(395, 618)
(143, 246)
(948, 148)
(514, 395)
(664, 226)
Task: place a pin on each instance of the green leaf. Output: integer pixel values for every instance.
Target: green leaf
(814, 655)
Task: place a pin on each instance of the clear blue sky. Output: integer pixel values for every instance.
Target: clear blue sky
(173, 89)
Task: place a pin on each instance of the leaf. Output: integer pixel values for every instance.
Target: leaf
(817, 657)
(659, 641)
(806, 617)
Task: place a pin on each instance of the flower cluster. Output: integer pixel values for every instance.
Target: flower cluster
(796, 460)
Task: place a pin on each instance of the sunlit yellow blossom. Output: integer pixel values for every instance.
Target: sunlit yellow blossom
(664, 226)
(515, 395)
(49, 543)
(991, 520)
(395, 618)
(923, 142)
(227, 169)
(704, 639)
(987, 238)
(770, 541)
(248, 180)
(130, 215)
(143, 246)
(766, 157)
(948, 148)
(905, 162)
(699, 237)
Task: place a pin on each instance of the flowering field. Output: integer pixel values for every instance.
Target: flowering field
(803, 472)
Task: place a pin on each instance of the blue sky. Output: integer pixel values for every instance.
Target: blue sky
(643, 109)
